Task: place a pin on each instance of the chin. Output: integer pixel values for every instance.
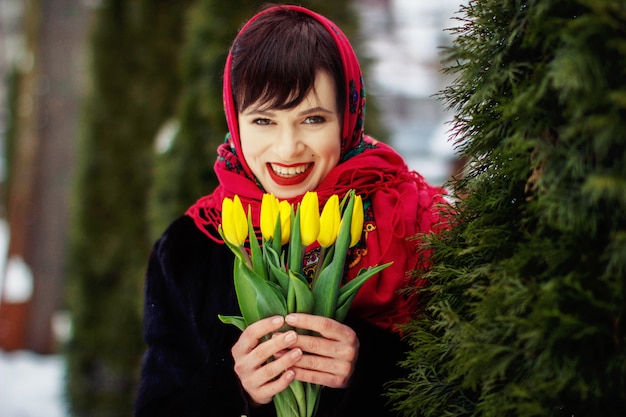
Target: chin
(291, 192)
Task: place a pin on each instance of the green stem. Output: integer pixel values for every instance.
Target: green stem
(299, 393)
(296, 249)
(291, 298)
(312, 394)
(320, 263)
(247, 258)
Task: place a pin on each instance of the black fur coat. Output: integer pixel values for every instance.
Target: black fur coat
(187, 368)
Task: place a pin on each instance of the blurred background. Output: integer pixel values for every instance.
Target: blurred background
(110, 113)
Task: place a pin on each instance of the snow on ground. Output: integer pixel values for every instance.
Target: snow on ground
(31, 385)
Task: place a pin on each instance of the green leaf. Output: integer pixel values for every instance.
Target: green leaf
(343, 239)
(277, 270)
(276, 240)
(328, 256)
(297, 387)
(312, 392)
(304, 300)
(345, 199)
(286, 403)
(325, 292)
(237, 321)
(326, 288)
(364, 274)
(237, 250)
(258, 298)
(255, 250)
(348, 291)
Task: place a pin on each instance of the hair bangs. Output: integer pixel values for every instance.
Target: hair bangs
(276, 59)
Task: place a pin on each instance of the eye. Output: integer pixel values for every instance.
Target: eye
(311, 120)
(262, 122)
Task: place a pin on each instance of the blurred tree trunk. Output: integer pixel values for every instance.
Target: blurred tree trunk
(43, 103)
(14, 313)
(59, 91)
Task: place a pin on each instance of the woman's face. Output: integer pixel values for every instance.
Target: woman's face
(291, 151)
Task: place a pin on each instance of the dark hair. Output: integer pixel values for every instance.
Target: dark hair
(275, 60)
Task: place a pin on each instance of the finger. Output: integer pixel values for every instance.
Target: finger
(271, 378)
(321, 378)
(250, 337)
(272, 369)
(265, 393)
(274, 348)
(248, 362)
(327, 327)
(280, 353)
(323, 364)
(337, 369)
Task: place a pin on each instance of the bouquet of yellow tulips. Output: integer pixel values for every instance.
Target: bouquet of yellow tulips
(269, 279)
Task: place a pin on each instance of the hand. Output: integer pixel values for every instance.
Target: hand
(329, 359)
(260, 377)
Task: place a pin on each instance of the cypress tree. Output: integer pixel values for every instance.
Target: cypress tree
(524, 310)
(133, 85)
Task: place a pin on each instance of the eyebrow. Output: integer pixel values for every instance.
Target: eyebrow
(312, 110)
(317, 109)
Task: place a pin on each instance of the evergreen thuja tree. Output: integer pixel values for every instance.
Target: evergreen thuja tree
(525, 307)
(133, 84)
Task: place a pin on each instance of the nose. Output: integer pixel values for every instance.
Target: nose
(288, 143)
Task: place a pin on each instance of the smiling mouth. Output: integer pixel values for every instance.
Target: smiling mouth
(289, 171)
(289, 175)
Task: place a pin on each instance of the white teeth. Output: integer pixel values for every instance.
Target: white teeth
(290, 171)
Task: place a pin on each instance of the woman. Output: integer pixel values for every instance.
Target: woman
(294, 104)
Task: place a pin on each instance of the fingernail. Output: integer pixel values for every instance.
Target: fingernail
(290, 375)
(291, 318)
(290, 337)
(296, 353)
(277, 320)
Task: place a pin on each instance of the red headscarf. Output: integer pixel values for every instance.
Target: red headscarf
(402, 203)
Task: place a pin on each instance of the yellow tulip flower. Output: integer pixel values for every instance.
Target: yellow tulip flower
(269, 215)
(329, 222)
(234, 221)
(356, 226)
(284, 208)
(309, 218)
